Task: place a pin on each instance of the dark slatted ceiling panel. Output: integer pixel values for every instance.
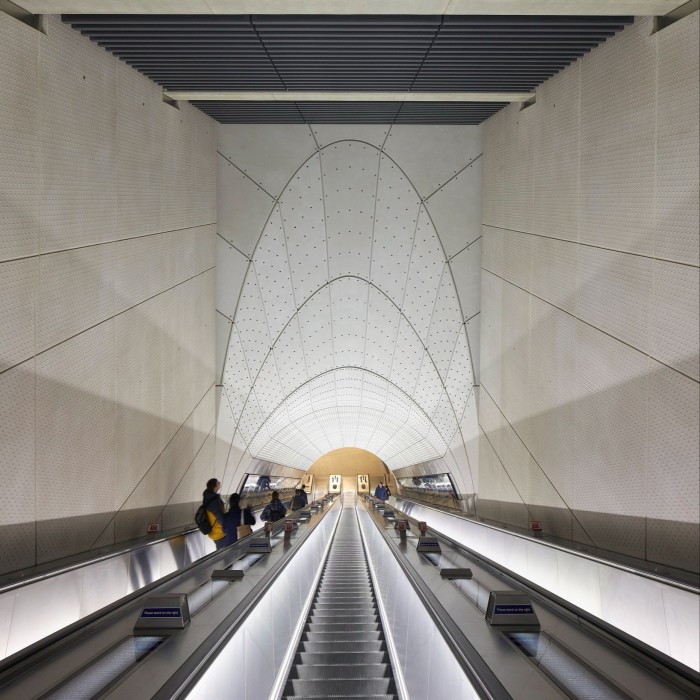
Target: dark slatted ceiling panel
(348, 53)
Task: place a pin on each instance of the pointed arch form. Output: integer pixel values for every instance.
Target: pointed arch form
(401, 323)
(371, 413)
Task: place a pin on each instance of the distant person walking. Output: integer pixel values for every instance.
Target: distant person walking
(215, 512)
(275, 510)
(237, 520)
(380, 492)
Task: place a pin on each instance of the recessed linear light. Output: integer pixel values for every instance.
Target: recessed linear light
(353, 7)
(318, 96)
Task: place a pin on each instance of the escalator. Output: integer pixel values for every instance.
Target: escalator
(343, 652)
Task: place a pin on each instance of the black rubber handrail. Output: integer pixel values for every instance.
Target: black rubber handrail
(483, 679)
(19, 662)
(666, 667)
(192, 670)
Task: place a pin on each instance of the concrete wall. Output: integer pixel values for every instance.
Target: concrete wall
(348, 298)
(589, 328)
(107, 239)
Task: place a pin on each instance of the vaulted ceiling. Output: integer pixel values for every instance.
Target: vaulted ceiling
(349, 329)
(351, 270)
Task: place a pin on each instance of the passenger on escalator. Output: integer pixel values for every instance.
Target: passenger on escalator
(215, 512)
(381, 492)
(304, 495)
(298, 502)
(237, 520)
(275, 510)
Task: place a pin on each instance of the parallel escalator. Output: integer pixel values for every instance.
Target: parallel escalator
(343, 652)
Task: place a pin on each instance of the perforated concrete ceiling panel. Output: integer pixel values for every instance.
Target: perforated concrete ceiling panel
(349, 329)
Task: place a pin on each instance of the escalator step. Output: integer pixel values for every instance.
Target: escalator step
(341, 636)
(341, 658)
(376, 645)
(323, 626)
(341, 697)
(350, 687)
(321, 671)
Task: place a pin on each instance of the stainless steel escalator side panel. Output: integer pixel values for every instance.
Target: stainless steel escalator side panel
(50, 661)
(463, 650)
(643, 606)
(632, 674)
(45, 605)
(241, 638)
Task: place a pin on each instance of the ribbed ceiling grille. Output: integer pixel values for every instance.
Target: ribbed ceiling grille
(348, 53)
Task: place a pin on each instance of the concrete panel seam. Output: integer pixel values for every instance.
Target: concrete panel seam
(106, 320)
(600, 330)
(101, 243)
(590, 245)
(466, 247)
(126, 500)
(457, 174)
(505, 418)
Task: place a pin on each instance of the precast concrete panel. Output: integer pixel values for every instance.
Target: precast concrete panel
(618, 124)
(268, 156)
(349, 170)
(394, 228)
(18, 284)
(273, 275)
(244, 210)
(424, 276)
(20, 150)
(455, 208)
(465, 267)
(432, 155)
(303, 217)
(348, 261)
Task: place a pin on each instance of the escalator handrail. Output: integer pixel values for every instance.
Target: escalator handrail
(664, 665)
(17, 663)
(658, 578)
(196, 665)
(483, 679)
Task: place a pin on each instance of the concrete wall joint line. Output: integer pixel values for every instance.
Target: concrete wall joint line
(581, 320)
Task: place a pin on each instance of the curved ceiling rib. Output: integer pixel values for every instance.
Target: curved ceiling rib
(348, 274)
(369, 410)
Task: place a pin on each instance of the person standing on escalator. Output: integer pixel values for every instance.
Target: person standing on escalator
(275, 510)
(237, 520)
(215, 512)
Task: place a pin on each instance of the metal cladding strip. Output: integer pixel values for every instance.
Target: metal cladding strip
(349, 7)
(369, 97)
(412, 54)
(189, 673)
(483, 679)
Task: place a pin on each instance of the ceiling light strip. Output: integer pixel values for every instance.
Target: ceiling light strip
(319, 96)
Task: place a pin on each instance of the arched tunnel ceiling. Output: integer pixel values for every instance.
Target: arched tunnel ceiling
(348, 330)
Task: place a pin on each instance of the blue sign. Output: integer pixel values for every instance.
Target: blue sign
(161, 612)
(513, 610)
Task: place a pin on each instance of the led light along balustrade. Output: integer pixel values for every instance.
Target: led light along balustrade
(342, 652)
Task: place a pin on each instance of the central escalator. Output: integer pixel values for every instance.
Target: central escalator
(342, 652)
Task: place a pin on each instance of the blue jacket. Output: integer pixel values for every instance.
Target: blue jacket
(234, 518)
(274, 511)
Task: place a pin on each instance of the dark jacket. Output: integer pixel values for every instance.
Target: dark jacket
(275, 510)
(298, 502)
(215, 512)
(234, 518)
